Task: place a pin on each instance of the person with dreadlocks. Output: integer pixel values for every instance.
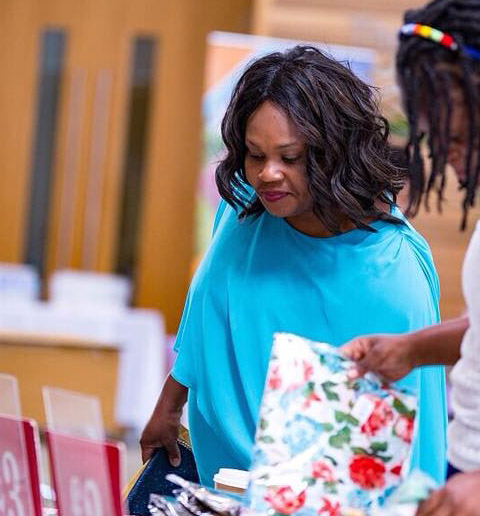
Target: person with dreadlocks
(438, 69)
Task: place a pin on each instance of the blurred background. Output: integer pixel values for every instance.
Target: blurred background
(109, 131)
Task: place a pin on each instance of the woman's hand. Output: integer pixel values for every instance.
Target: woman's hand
(161, 430)
(459, 497)
(393, 356)
(389, 356)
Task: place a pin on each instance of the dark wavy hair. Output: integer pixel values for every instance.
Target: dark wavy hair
(348, 163)
(427, 86)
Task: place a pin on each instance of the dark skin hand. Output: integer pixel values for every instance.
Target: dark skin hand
(460, 496)
(393, 356)
(162, 429)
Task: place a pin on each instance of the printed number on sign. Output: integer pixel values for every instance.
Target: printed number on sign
(10, 486)
(85, 497)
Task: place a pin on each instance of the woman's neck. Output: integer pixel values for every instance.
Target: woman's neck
(311, 225)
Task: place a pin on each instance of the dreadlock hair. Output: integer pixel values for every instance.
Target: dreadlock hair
(348, 164)
(427, 87)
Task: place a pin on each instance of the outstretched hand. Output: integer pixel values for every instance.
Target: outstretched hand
(458, 497)
(389, 356)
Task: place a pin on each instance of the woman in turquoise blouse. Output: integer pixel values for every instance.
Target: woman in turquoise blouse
(307, 240)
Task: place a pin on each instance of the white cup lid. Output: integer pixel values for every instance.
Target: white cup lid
(232, 477)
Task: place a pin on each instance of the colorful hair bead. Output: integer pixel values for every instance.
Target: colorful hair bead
(436, 35)
(426, 32)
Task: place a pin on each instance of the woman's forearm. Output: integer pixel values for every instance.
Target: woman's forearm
(439, 344)
(163, 426)
(173, 396)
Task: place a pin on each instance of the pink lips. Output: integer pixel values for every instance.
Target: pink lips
(273, 196)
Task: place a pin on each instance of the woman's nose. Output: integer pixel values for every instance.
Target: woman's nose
(271, 171)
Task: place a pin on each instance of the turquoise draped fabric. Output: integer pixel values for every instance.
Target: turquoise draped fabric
(261, 276)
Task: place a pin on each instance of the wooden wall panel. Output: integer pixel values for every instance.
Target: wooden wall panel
(94, 52)
(18, 54)
(166, 244)
(166, 248)
(448, 245)
(64, 362)
(365, 5)
(84, 219)
(348, 22)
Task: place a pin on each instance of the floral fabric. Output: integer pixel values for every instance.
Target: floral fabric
(326, 443)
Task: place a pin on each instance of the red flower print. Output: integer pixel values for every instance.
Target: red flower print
(368, 472)
(311, 398)
(323, 471)
(284, 500)
(381, 415)
(274, 379)
(329, 508)
(307, 370)
(404, 428)
(396, 470)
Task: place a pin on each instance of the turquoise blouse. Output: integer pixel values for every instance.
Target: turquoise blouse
(260, 276)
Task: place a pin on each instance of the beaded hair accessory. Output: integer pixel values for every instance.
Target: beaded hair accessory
(437, 36)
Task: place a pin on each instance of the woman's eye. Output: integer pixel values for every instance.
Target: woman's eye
(256, 157)
(456, 138)
(291, 159)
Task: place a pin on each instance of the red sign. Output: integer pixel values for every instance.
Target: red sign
(86, 476)
(19, 479)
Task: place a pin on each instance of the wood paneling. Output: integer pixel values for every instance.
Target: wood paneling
(364, 5)
(100, 34)
(18, 54)
(448, 245)
(64, 362)
(349, 22)
(166, 248)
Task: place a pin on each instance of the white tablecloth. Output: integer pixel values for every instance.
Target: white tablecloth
(139, 334)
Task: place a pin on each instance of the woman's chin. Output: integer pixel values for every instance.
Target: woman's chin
(277, 210)
(279, 213)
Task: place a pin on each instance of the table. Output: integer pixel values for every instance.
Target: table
(138, 334)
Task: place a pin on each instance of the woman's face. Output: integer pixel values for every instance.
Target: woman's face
(459, 132)
(275, 163)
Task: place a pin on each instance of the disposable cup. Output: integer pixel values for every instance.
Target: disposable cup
(231, 480)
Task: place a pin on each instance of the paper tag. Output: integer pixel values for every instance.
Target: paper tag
(19, 483)
(86, 476)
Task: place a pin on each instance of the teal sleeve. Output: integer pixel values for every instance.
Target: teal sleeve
(218, 216)
(184, 366)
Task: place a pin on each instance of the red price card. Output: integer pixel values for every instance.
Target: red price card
(86, 476)
(19, 478)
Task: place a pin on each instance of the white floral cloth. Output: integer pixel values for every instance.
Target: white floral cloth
(326, 443)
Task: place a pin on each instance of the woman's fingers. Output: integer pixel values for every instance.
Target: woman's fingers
(173, 452)
(435, 503)
(356, 349)
(147, 452)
